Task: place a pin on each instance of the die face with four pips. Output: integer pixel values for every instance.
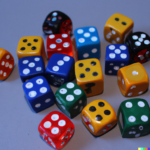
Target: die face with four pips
(56, 129)
(30, 67)
(134, 118)
(99, 117)
(57, 22)
(139, 46)
(71, 99)
(38, 93)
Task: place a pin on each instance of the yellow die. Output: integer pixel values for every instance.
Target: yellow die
(99, 117)
(31, 46)
(117, 28)
(133, 80)
(89, 76)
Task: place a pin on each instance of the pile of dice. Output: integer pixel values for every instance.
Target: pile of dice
(67, 61)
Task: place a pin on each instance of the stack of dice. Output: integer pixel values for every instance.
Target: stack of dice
(81, 60)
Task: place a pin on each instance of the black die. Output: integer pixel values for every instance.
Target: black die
(56, 23)
(139, 46)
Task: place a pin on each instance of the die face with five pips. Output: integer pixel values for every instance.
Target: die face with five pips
(71, 99)
(134, 118)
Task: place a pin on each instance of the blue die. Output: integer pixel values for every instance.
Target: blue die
(38, 93)
(30, 67)
(117, 56)
(87, 42)
(60, 69)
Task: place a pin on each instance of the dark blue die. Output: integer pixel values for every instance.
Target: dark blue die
(60, 69)
(117, 56)
(87, 42)
(30, 67)
(38, 93)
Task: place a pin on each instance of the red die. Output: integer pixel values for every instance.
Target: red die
(56, 129)
(59, 43)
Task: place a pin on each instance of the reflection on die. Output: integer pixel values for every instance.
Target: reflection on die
(60, 69)
(117, 56)
(56, 129)
(59, 43)
(71, 99)
(57, 22)
(133, 80)
(38, 93)
(6, 64)
(31, 46)
(89, 76)
(30, 67)
(87, 42)
(117, 28)
(139, 46)
(99, 117)
(134, 118)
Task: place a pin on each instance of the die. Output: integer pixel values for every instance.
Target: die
(133, 80)
(59, 43)
(139, 46)
(31, 46)
(60, 69)
(57, 22)
(87, 42)
(38, 93)
(56, 129)
(30, 67)
(117, 56)
(6, 64)
(70, 99)
(117, 28)
(134, 118)
(89, 76)
(99, 117)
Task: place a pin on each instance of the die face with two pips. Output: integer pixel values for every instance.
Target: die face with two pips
(57, 22)
(117, 56)
(87, 42)
(117, 28)
(89, 76)
(71, 99)
(60, 69)
(6, 64)
(99, 117)
(31, 46)
(133, 80)
(134, 118)
(139, 46)
(38, 93)
(56, 129)
(30, 67)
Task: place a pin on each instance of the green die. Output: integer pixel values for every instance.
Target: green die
(71, 99)
(134, 118)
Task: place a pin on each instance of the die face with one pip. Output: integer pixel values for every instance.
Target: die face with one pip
(139, 46)
(56, 129)
(87, 42)
(57, 22)
(60, 69)
(31, 46)
(59, 43)
(30, 67)
(99, 117)
(89, 76)
(38, 93)
(133, 80)
(6, 64)
(71, 99)
(117, 56)
(134, 118)
(117, 28)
